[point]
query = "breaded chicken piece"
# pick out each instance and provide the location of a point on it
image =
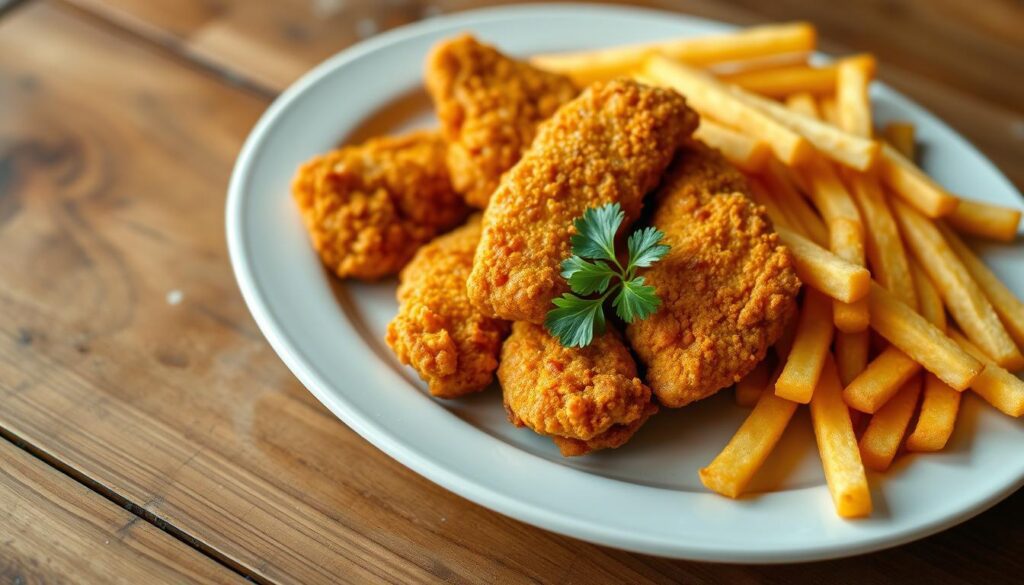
(609, 145)
(489, 106)
(584, 398)
(437, 331)
(369, 207)
(727, 284)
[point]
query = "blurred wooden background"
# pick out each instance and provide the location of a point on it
(147, 431)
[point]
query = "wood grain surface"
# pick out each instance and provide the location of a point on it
(130, 366)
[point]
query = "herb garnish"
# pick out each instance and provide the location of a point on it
(593, 269)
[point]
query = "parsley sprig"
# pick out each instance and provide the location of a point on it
(595, 274)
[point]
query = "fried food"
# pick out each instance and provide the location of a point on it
(489, 106)
(584, 398)
(369, 207)
(609, 145)
(437, 331)
(727, 285)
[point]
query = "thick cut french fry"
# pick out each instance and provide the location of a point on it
(712, 98)
(603, 64)
(731, 471)
(901, 136)
(743, 151)
(1009, 308)
(851, 354)
(919, 339)
(803, 103)
(780, 185)
(749, 388)
(885, 251)
(997, 386)
(844, 148)
(985, 220)
(759, 192)
(829, 110)
(882, 438)
(880, 381)
(837, 445)
(847, 242)
(929, 300)
(937, 417)
(912, 185)
(827, 191)
(853, 106)
(784, 81)
(807, 357)
(962, 295)
(824, 271)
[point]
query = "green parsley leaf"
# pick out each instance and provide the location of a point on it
(645, 248)
(586, 277)
(636, 300)
(595, 232)
(575, 320)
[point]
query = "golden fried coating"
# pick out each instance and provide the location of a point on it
(369, 207)
(609, 145)
(727, 285)
(489, 106)
(437, 331)
(584, 398)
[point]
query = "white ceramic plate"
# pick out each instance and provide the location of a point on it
(645, 496)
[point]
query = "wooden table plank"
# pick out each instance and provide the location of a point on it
(113, 163)
(53, 529)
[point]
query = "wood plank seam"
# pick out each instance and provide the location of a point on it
(138, 510)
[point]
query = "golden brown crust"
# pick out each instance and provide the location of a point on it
(590, 396)
(609, 145)
(727, 285)
(437, 331)
(489, 106)
(368, 208)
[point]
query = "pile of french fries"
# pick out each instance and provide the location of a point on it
(875, 240)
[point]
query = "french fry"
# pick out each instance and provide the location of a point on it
(777, 179)
(588, 66)
(880, 381)
(761, 63)
(807, 356)
(937, 418)
(985, 220)
(824, 271)
(997, 386)
(731, 471)
(962, 295)
(829, 110)
(746, 153)
(803, 103)
(919, 339)
(784, 81)
(837, 445)
(882, 438)
(1009, 308)
(749, 388)
(851, 354)
(885, 251)
(929, 300)
(712, 98)
(847, 242)
(901, 136)
(762, 197)
(853, 107)
(913, 186)
(844, 148)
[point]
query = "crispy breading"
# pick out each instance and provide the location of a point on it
(609, 145)
(369, 207)
(584, 398)
(489, 106)
(437, 331)
(727, 285)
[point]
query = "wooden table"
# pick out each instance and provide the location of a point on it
(149, 434)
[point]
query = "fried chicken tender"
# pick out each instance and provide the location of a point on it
(609, 145)
(727, 285)
(489, 106)
(584, 398)
(368, 208)
(437, 331)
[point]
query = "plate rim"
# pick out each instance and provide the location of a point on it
(449, 479)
